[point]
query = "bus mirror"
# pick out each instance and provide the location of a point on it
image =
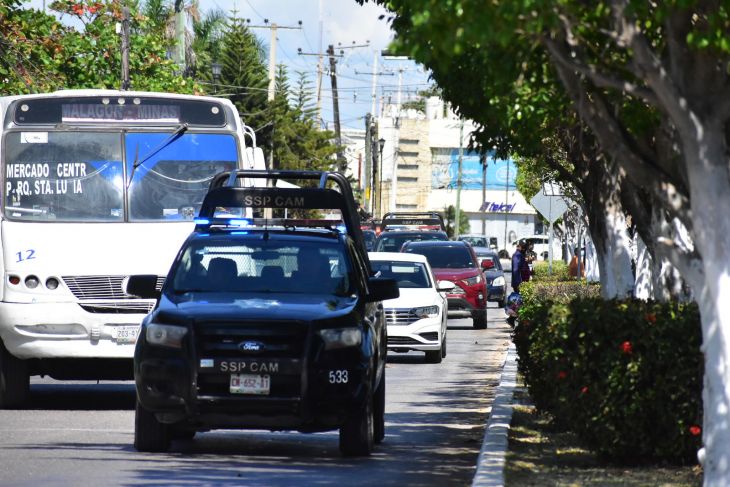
(143, 286)
(258, 158)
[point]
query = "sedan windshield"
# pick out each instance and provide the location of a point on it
(445, 256)
(237, 265)
(408, 274)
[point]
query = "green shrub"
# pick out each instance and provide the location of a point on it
(559, 272)
(626, 376)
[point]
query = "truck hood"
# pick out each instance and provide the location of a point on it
(255, 306)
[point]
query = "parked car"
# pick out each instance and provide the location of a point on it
(416, 320)
(494, 273)
(456, 261)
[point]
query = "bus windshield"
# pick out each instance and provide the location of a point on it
(77, 176)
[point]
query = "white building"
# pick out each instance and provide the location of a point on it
(423, 151)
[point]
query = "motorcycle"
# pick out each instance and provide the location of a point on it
(512, 307)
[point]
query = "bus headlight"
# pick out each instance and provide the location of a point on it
(334, 338)
(165, 335)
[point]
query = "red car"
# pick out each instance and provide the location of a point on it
(456, 261)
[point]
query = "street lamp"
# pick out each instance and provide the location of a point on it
(381, 145)
(216, 69)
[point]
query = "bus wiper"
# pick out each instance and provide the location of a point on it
(172, 138)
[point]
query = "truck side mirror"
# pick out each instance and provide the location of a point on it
(382, 289)
(143, 286)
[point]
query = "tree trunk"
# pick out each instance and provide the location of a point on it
(607, 226)
(709, 176)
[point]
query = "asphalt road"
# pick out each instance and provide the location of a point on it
(81, 434)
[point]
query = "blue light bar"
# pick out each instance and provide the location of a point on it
(202, 221)
(239, 233)
(238, 222)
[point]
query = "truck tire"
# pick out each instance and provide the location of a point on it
(379, 411)
(149, 434)
(14, 380)
(480, 320)
(357, 435)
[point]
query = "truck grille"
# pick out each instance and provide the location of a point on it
(285, 341)
(396, 316)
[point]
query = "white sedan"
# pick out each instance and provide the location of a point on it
(417, 319)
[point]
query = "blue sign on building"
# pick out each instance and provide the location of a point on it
(501, 173)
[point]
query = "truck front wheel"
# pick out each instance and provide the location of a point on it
(149, 434)
(14, 380)
(357, 435)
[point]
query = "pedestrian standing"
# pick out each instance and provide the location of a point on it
(519, 264)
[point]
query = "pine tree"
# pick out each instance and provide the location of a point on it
(244, 74)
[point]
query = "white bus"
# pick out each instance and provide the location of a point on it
(96, 185)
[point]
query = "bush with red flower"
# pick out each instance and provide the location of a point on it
(640, 361)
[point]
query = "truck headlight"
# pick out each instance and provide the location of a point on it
(165, 335)
(334, 338)
(498, 281)
(473, 280)
(426, 311)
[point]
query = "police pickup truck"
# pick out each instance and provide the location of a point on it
(265, 323)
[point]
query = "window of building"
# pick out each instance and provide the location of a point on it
(409, 167)
(407, 179)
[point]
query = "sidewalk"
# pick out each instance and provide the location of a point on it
(491, 461)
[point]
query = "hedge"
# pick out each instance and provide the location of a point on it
(626, 376)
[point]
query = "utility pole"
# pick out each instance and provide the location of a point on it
(506, 202)
(368, 161)
(124, 31)
(484, 194)
(376, 173)
(179, 53)
(320, 68)
(457, 214)
(341, 162)
(273, 27)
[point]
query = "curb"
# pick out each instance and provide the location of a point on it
(490, 464)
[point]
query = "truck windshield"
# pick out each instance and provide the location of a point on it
(230, 264)
(78, 176)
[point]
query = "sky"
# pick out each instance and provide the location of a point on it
(345, 23)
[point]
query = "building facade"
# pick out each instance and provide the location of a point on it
(419, 171)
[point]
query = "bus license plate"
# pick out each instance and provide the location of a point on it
(125, 334)
(250, 384)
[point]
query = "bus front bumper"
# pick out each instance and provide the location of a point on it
(65, 330)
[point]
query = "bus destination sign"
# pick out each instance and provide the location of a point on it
(87, 112)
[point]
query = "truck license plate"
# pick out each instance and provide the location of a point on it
(250, 384)
(125, 334)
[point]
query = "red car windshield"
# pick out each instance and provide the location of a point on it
(445, 256)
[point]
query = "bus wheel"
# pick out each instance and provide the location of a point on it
(14, 380)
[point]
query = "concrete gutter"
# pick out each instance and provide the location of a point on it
(490, 464)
